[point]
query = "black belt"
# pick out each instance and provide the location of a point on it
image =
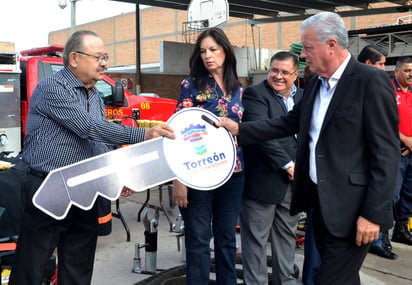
(37, 173)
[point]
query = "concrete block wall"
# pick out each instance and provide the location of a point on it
(174, 58)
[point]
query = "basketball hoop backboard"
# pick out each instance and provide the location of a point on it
(210, 13)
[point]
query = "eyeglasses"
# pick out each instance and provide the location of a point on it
(284, 73)
(99, 58)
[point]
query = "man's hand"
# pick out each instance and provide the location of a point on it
(407, 141)
(180, 194)
(230, 125)
(367, 231)
(158, 131)
(405, 151)
(291, 172)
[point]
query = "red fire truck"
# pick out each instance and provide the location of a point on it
(20, 73)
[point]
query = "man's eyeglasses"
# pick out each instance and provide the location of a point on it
(99, 58)
(284, 73)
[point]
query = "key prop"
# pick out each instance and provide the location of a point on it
(202, 157)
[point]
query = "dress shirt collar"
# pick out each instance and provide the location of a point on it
(292, 93)
(334, 79)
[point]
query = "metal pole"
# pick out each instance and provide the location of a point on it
(260, 47)
(73, 16)
(254, 45)
(138, 51)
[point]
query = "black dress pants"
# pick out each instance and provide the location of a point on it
(75, 238)
(341, 258)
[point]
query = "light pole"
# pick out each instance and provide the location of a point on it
(63, 4)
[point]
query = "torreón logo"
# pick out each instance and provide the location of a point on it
(208, 162)
(202, 156)
(195, 134)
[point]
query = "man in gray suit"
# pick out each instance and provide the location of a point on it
(269, 172)
(348, 149)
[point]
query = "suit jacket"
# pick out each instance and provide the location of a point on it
(357, 154)
(265, 180)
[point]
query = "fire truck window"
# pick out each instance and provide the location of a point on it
(104, 88)
(46, 69)
(56, 67)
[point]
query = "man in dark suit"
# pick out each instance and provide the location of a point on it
(269, 172)
(348, 148)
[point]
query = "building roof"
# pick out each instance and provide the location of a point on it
(266, 11)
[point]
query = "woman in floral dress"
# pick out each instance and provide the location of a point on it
(213, 84)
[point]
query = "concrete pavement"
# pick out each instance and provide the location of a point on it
(115, 256)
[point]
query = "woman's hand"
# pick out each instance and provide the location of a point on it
(180, 194)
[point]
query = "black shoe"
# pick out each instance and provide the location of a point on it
(381, 251)
(385, 240)
(401, 233)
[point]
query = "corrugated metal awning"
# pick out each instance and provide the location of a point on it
(266, 11)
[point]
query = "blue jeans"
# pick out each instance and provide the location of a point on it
(403, 194)
(379, 241)
(216, 210)
(311, 262)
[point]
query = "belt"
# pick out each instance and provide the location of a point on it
(37, 173)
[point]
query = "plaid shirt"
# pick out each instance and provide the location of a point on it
(66, 123)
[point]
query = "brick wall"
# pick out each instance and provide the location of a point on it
(161, 24)
(167, 86)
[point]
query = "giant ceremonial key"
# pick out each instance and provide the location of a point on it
(202, 157)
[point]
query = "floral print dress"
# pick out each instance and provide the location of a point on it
(214, 100)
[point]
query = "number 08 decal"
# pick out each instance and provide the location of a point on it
(145, 106)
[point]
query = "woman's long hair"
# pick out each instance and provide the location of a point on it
(198, 71)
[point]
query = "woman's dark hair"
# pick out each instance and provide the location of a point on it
(198, 71)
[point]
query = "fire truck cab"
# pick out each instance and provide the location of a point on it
(20, 73)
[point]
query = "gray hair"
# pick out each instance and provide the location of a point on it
(403, 60)
(327, 25)
(75, 43)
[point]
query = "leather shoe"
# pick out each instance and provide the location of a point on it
(381, 251)
(402, 239)
(401, 233)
